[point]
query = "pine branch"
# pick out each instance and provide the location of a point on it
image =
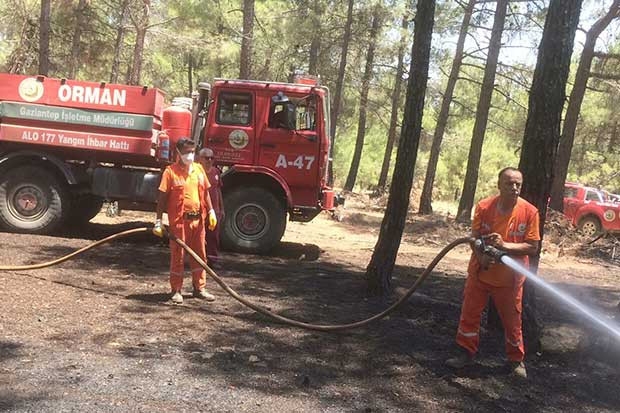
(604, 76)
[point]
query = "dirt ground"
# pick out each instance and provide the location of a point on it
(97, 333)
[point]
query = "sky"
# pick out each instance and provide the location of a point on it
(522, 47)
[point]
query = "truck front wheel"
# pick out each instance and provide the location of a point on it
(255, 220)
(590, 226)
(32, 200)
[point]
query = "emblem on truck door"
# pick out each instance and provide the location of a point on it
(30, 90)
(609, 215)
(238, 139)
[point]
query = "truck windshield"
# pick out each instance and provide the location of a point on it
(234, 108)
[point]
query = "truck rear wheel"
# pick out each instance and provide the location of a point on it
(32, 200)
(590, 226)
(255, 220)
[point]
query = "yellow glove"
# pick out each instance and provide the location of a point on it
(212, 220)
(158, 229)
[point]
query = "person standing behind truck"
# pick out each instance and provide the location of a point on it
(205, 158)
(184, 195)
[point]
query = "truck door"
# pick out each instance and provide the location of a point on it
(292, 148)
(230, 127)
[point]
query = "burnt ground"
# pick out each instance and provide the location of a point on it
(97, 334)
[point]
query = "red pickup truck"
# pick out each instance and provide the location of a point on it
(591, 209)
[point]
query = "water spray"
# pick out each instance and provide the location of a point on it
(502, 256)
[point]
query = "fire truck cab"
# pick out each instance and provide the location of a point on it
(272, 140)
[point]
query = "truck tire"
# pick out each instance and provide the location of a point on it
(84, 207)
(255, 220)
(590, 226)
(32, 200)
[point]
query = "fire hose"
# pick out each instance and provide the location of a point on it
(261, 310)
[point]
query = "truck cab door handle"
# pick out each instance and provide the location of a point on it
(216, 140)
(311, 138)
(268, 145)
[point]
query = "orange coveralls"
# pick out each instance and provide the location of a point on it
(186, 194)
(504, 285)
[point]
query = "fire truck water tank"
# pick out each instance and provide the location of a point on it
(177, 121)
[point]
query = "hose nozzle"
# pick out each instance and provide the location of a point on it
(489, 250)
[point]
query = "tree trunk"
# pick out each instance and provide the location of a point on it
(129, 71)
(613, 139)
(599, 137)
(361, 126)
(245, 58)
(138, 51)
(482, 114)
(190, 72)
(346, 38)
(218, 59)
(315, 44)
(398, 82)
(581, 156)
(141, 23)
(426, 198)
(44, 37)
(542, 132)
(574, 106)
(118, 43)
(381, 265)
(80, 21)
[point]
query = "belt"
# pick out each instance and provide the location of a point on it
(192, 215)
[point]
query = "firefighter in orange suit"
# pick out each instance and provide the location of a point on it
(511, 224)
(184, 194)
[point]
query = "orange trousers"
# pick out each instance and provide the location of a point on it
(508, 301)
(192, 232)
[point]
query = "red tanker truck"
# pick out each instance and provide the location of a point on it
(67, 146)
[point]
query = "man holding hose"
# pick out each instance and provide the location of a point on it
(511, 224)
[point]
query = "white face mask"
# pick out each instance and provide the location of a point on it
(188, 158)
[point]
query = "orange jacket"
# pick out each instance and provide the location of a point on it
(521, 225)
(174, 181)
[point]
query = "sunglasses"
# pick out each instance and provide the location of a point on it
(207, 157)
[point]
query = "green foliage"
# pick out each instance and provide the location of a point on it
(595, 157)
(374, 147)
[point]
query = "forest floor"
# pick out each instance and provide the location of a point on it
(97, 333)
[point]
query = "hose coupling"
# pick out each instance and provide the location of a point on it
(489, 250)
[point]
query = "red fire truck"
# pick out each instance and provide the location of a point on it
(67, 146)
